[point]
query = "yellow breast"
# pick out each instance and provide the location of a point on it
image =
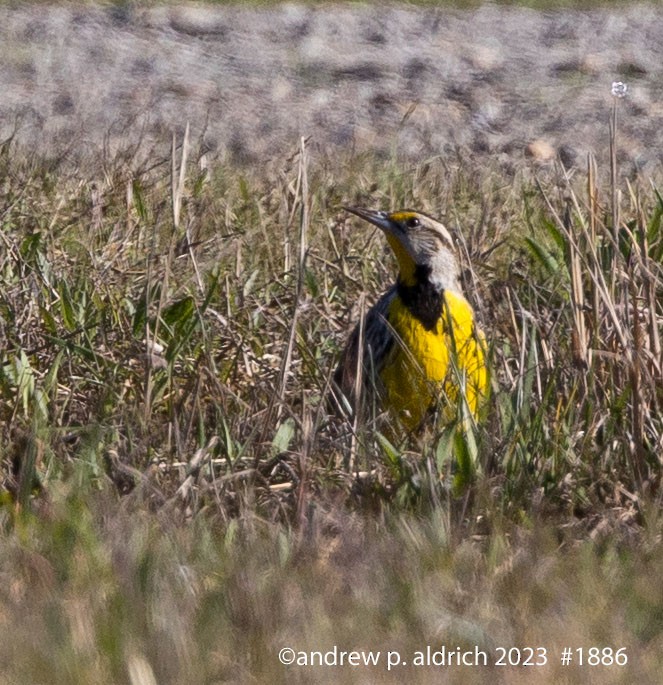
(427, 367)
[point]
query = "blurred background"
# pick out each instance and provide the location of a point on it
(494, 80)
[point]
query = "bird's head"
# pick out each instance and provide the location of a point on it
(419, 242)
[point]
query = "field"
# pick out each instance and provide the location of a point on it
(178, 505)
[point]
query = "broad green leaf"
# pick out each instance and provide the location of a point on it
(284, 436)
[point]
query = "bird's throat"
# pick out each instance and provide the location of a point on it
(406, 265)
(421, 297)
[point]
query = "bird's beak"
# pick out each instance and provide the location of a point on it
(377, 218)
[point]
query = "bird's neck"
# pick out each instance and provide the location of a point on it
(442, 274)
(421, 296)
(406, 266)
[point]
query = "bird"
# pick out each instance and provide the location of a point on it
(418, 350)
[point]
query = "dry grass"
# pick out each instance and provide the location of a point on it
(92, 593)
(176, 501)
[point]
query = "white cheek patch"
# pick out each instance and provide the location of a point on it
(437, 282)
(427, 251)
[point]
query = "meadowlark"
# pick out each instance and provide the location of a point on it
(418, 347)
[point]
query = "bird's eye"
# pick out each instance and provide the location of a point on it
(413, 222)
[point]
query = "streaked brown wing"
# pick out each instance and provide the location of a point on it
(378, 339)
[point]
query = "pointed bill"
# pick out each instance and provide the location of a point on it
(375, 217)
